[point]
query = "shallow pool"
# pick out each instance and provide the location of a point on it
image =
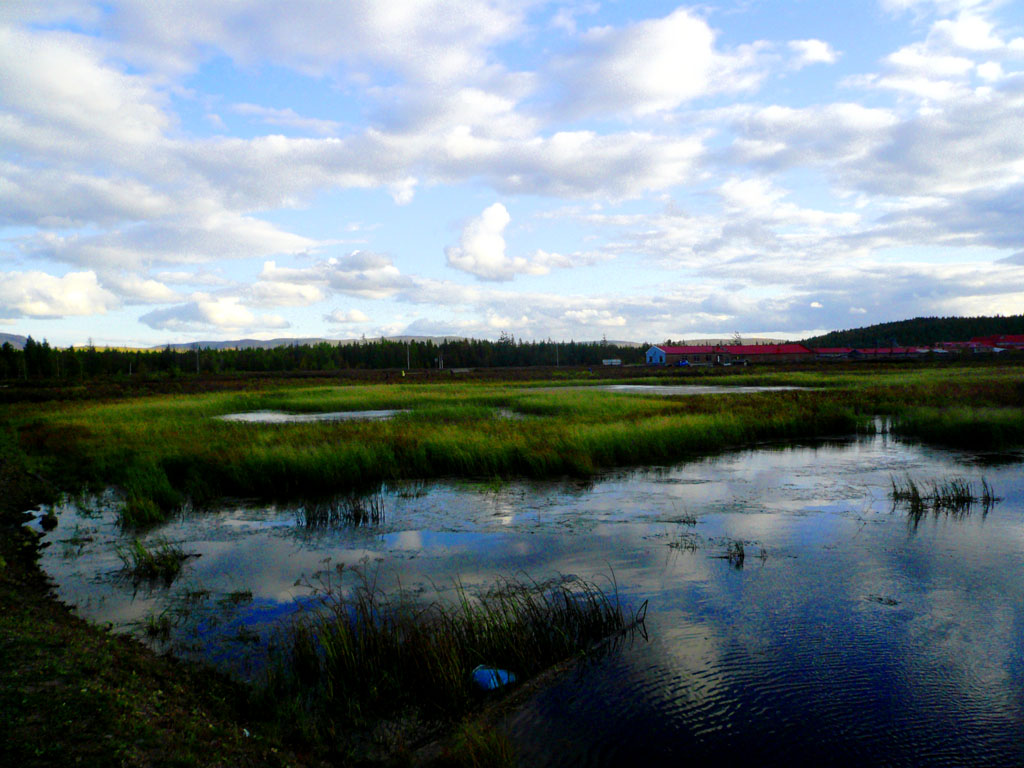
(852, 631)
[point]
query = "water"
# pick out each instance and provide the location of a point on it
(281, 417)
(850, 634)
(680, 390)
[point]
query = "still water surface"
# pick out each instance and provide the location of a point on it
(849, 635)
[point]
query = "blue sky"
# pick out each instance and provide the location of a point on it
(209, 170)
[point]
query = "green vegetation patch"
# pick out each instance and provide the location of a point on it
(364, 655)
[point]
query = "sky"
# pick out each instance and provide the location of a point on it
(639, 171)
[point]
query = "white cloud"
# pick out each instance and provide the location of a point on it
(361, 273)
(346, 317)
(37, 294)
(807, 52)
(135, 289)
(652, 66)
(206, 312)
(287, 118)
(481, 251)
(278, 294)
(174, 241)
(427, 40)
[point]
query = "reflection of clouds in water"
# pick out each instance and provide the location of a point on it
(803, 619)
(407, 540)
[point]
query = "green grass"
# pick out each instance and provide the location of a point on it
(162, 561)
(955, 496)
(163, 450)
(364, 655)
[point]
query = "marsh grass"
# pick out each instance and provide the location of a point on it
(168, 449)
(990, 428)
(366, 654)
(161, 561)
(476, 744)
(955, 496)
(735, 553)
(348, 510)
(684, 541)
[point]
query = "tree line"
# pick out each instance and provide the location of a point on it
(921, 331)
(38, 360)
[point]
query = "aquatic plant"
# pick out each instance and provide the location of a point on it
(162, 561)
(735, 554)
(350, 509)
(684, 541)
(365, 654)
(166, 449)
(476, 744)
(158, 626)
(954, 495)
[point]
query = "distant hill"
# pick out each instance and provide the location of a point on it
(919, 331)
(16, 341)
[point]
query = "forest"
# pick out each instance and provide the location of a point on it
(38, 360)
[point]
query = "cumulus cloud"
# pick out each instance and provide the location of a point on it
(179, 241)
(205, 312)
(481, 251)
(807, 52)
(279, 294)
(361, 273)
(812, 204)
(652, 66)
(37, 294)
(346, 317)
(136, 289)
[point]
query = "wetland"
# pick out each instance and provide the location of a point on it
(795, 602)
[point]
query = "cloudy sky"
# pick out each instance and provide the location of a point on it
(637, 170)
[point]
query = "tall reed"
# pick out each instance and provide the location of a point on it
(368, 654)
(955, 495)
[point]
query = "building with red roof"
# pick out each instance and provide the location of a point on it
(1003, 341)
(727, 354)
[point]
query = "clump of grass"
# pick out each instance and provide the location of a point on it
(139, 512)
(351, 509)
(368, 655)
(955, 495)
(158, 626)
(736, 554)
(479, 745)
(161, 562)
(684, 541)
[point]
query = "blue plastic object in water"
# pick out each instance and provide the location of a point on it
(490, 679)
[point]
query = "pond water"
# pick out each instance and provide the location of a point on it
(680, 390)
(852, 632)
(282, 417)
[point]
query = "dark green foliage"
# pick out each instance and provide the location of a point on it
(920, 331)
(40, 361)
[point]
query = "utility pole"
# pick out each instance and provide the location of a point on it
(408, 345)
(197, 359)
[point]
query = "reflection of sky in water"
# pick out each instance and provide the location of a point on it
(856, 638)
(281, 417)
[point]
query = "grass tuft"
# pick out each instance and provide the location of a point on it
(366, 655)
(162, 562)
(955, 496)
(351, 509)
